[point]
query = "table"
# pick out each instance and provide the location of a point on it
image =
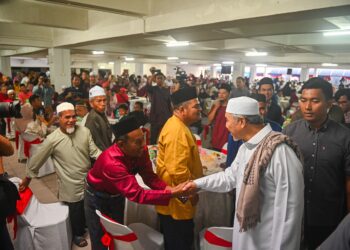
(213, 209)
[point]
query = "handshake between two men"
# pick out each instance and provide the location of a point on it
(184, 192)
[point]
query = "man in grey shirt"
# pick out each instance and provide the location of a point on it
(71, 148)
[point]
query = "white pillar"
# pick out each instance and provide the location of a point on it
(252, 73)
(117, 68)
(138, 69)
(5, 66)
(59, 63)
(304, 74)
(95, 67)
(238, 70)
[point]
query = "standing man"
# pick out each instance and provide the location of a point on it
(216, 117)
(76, 92)
(342, 96)
(178, 161)
(325, 145)
(268, 178)
(274, 112)
(97, 120)
(160, 105)
(241, 88)
(112, 179)
(71, 148)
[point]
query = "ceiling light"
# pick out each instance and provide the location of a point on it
(129, 59)
(260, 65)
(329, 64)
(255, 53)
(337, 33)
(183, 62)
(217, 64)
(111, 63)
(228, 62)
(173, 58)
(177, 43)
(96, 52)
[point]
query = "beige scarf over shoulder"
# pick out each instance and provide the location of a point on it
(248, 206)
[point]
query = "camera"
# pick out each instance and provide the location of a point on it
(181, 76)
(10, 109)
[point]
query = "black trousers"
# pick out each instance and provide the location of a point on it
(5, 240)
(112, 207)
(315, 235)
(155, 131)
(77, 217)
(178, 234)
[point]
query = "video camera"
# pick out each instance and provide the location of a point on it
(10, 109)
(181, 76)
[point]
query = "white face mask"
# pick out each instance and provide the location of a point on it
(70, 130)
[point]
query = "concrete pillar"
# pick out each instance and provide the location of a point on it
(5, 66)
(138, 69)
(59, 63)
(95, 67)
(252, 73)
(304, 74)
(238, 70)
(117, 67)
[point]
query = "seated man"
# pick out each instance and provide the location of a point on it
(112, 179)
(139, 114)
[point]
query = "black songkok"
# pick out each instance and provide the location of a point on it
(183, 95)
(125, 126)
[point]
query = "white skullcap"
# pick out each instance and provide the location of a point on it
(243, 106)
(10, 91)
(96, 91)
(64, 106)
(91, 74)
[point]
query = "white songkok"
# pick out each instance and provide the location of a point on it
(243, 106)
(96, 91)
(64, 106)
(91, 74)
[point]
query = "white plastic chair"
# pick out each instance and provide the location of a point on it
(220, 236)
(43, 226)
(224, 149)
(198, 140)
(147, 238)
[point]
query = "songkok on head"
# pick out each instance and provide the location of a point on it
(96, 91)
(125, 126)
(183, 95)
(242, 106)
(64, 106)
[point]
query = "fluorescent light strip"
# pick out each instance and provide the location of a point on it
(177, 43)
(183, 62)
(228, 62)
(329, 64)
(129, 59)
(337, 33)
(260, 65)
(256, 54)
(217, 64)
(172, 58)
(95, 52)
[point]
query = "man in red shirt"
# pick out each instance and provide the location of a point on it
(112, 179)
(216, 117)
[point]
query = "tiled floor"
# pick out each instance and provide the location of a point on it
(44, 188)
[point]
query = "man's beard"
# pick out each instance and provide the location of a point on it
(70, 130)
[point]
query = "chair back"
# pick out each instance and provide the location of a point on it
(218, 238)
(224, 149)
(198, 140)
(115, 230)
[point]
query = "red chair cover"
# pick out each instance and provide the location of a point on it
(215, 240)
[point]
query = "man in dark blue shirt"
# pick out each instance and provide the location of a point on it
(325, 145)
(233, 146)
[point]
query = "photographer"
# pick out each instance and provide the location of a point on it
(8, 197)
(74, 93)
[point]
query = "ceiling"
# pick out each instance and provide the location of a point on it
(291, 32)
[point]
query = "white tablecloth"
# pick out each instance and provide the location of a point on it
(213, 209)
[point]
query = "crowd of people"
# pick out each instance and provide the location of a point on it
(288, 152)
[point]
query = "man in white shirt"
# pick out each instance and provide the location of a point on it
(268, 177)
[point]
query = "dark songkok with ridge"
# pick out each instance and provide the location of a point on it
(125, 126)
(183, 95)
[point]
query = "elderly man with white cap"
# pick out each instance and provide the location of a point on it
(71, 148)
(97, 120)
(268, 176)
